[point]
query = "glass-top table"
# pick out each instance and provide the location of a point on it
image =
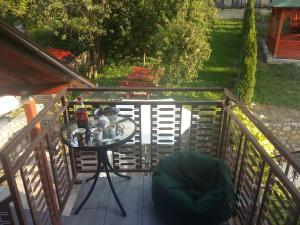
(100, 135)
(118, 131)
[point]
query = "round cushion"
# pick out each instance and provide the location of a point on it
(190, 188)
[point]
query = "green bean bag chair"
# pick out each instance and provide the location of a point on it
(193, 189)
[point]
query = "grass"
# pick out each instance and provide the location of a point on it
(222, 67)
(278, 85)
(110, 75)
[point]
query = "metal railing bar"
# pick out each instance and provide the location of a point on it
(265, 131)
(145, 89)
(149, 102)
(276, 170)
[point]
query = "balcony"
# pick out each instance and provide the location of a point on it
(42, 173)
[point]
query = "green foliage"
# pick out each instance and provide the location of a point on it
(13, 9)
(132, 25)
(120, 29)
(182, 42)
(246, 81)
(47, 38)
(263, 141)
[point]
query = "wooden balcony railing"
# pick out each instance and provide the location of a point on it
(266, 179)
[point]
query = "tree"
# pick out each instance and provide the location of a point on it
(13, 10)
(247, 71)
(122, 28)
(83, 19)
(182, 42)
(132, 26)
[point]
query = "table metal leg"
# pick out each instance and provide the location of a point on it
(105, 164)
(96, 176)
(90, 178)
(113, 170)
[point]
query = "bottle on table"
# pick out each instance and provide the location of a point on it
(81, 113)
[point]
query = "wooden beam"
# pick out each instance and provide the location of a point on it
(31, 112)
(23, 90)
(271, 22)
(282, 17)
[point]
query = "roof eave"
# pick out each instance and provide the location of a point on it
(54, 66)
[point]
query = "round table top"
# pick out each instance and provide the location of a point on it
(118, 131)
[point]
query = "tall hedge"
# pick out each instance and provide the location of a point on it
(247, 72)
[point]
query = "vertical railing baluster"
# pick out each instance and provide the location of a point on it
(140, 133)
(33, 211)
(287, 169)
(238, 156)
(258, 189)
(191, 127)
(151, 136)
(265, 192)
(13, 188)
(238, 181)
(47, 184)
(178, 141)
(228, 132)
(296, 220)
(223, 126)
(221, 132)
(52, 163)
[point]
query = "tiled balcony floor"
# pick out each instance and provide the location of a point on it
(102, 209)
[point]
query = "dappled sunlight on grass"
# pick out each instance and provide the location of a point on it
(203, 96)
(222, 67)
(219, 69)
(110, 75)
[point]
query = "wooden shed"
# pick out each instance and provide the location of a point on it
(284, 29)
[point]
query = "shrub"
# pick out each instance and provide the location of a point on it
(247, 72)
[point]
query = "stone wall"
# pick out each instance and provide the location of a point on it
(10, 127)
(287, 132)
(283, 122)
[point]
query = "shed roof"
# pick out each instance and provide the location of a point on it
(285, 3)
(26, 69)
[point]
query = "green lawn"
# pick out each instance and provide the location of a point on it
(277, 85)
(110, 75)
(221, 69)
